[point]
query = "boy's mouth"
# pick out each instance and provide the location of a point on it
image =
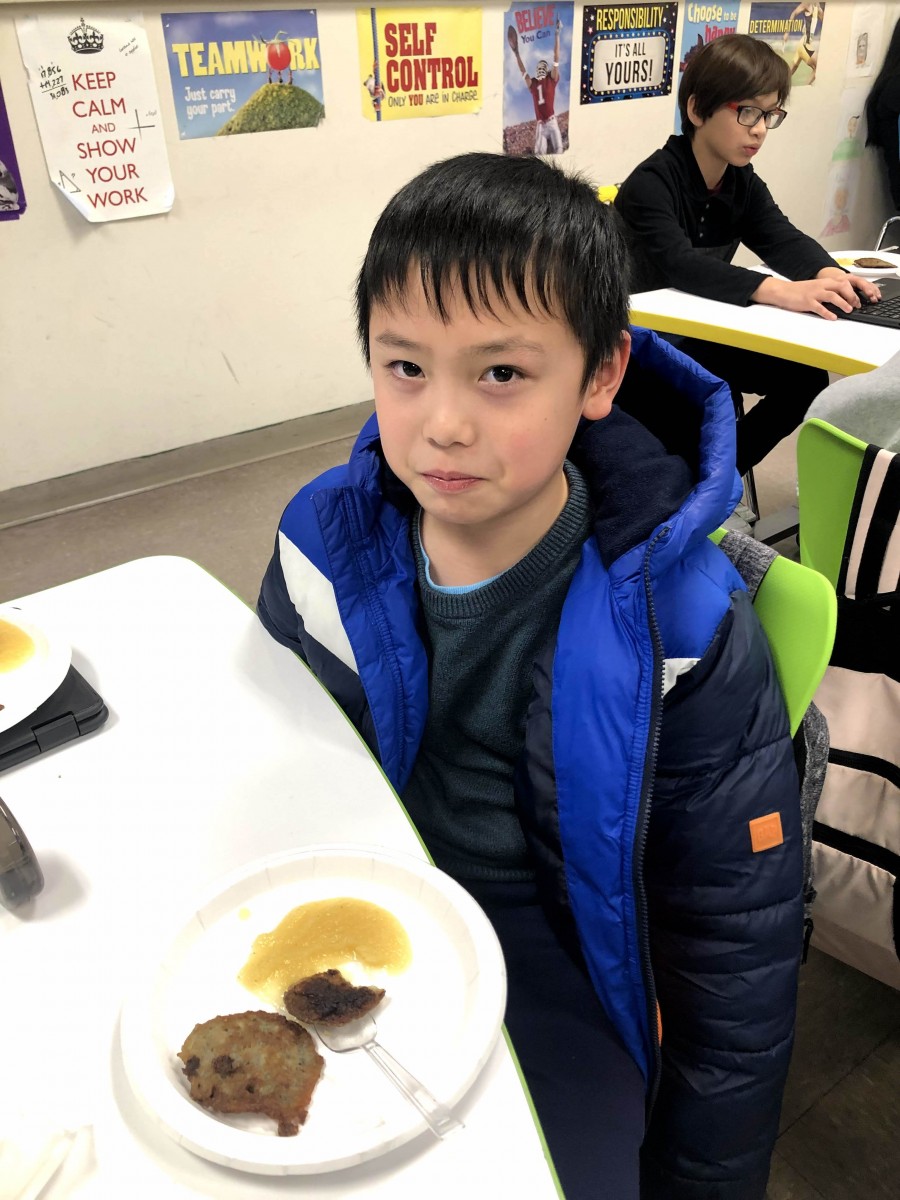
(450, 481)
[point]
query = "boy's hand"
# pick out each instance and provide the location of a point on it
(811, 295)
(866, 286)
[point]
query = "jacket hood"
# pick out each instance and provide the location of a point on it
(660, 466)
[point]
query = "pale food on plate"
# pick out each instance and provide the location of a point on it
(16, 647)
(323, 934)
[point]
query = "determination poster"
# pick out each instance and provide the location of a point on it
(244, 72)
(627, 51)
(794, 32)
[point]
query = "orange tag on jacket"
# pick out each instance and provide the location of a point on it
(765, 832)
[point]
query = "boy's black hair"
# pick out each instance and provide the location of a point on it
(729, 68)
(529, 230)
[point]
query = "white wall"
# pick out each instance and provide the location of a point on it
(114, 337)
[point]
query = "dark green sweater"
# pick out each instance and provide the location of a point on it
(483, 644)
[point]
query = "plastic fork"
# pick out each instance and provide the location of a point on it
(360, 1035)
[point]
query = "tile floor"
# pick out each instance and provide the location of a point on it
(839, 1130)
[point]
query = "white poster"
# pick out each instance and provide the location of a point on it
(866, 35)
(97, 109)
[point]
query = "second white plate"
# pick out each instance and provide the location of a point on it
(844, 258)
(441, 1017)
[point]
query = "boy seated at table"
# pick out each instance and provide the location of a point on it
(510, 590)
(688, 207)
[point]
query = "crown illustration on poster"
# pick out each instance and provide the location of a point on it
(85, 39)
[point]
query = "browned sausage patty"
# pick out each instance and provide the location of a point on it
(330, 999)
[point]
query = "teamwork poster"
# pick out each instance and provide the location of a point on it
(12, 195)
(97, 110)
(244, 72)
(793, 31)
(703, 23)
(627, 51)
(419, 62)
(537, 74)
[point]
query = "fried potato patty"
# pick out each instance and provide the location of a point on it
(254, 1062)
(330, 999)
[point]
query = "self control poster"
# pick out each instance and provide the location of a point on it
(419, 62)
(97, 108)
(244, 72)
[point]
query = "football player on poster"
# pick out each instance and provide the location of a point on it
(532, 124)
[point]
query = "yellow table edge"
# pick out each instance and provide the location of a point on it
(810, 357)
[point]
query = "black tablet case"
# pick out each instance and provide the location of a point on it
(73, 710)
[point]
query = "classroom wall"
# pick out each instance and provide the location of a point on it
(234, 311)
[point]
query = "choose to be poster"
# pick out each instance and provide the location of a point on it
(97, 109)
(793, 31)
(419, 62)
(627, 51)
(244, 72)
(537, 74)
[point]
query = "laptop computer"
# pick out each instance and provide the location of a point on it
(885, 312)
(73, 710)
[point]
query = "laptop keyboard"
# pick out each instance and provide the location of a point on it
(882, 312)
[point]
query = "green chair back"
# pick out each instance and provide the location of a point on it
(828, 463)
(797, 609)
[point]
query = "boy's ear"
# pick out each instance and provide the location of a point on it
(694, 119)
(606, 381)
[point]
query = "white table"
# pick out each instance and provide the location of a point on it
(845, 347)
(220, 748)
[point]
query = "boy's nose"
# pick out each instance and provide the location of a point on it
(446, 421)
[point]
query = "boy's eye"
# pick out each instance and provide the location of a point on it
(404, 369)
(501, 374)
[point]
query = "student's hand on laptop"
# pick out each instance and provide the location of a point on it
(866, 286)
(810, 295)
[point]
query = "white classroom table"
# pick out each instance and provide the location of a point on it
(220, 748)
(845, 347)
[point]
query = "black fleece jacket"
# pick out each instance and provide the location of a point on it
(682, 235)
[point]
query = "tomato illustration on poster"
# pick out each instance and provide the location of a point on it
(244, 72)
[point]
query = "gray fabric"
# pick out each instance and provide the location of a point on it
(752, 560)
(866, 406)
(482, 648)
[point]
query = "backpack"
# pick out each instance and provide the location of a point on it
(856, 833)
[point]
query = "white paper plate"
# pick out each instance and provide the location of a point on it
(844, 258)
(26, 687)
(440, 1018)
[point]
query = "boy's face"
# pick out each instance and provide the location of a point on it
(477, 414)
(721, 137)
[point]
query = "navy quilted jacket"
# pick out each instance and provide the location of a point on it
(656, 734)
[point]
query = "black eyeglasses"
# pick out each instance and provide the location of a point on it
(749, 114)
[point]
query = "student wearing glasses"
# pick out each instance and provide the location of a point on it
(689, 206)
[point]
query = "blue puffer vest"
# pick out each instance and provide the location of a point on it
(638, 824)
